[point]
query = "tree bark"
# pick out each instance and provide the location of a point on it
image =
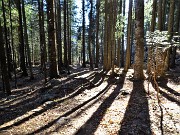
(26, 41)
(139, 36)
(42, 39)
(4, 64)
(160, 15)
(90, 35)
(83, 34)
(128, 47)
(21, 41)
(153, 23)
(97, 32)
(51, 39)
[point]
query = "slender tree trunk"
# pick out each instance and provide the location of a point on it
(176, 28)
(164, 3)
(65, 38)
(128, 48)
(51, 39)
(139, 36)
(26, 41)
(97, 32)
(160, 15)
(105, 37)
(122, 56)
(153, 23)
(170, 33)
(12, 44)
(21, 41)
(90, 36)
(42, 39)
(119, 38)
(59, 38)
(83, 34)
(4, 64)
(8, 48)
(68, 31)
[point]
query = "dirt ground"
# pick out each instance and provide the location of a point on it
(92, 103)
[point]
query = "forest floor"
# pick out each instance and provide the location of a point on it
(92, 102)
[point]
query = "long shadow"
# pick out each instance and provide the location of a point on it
(23, 107)
(44, 109)
(92, 124)
(163, 84)
(73, 109)
(166, 95)
(136, 119)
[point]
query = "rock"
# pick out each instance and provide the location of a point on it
(62, 120)
(124, 93)
(49, 103)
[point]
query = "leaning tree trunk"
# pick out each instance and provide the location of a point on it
(139, 37)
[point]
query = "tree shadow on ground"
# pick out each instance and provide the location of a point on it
(10, 112)
(163, 84)
(166, 95)
(92, 124)
(136, 119)
(73, 110)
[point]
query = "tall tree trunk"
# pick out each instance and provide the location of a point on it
(65, 34)
(176, 28)
(113, 29)
(139, 36)
(128, 47)
(21, 41)
(51, 39)
(119, 38)
(122, 56)
(90, 35)
(83, 34)
(164, 3)
(177, 18)
(153, 23)
(105, 37)
(26, 41)
(42, 39)
(170, 33)
(97, 32)
(68, 31)
(160, 15)
(59, 37)
(8, 48)
(4, 64)
(12, 44)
